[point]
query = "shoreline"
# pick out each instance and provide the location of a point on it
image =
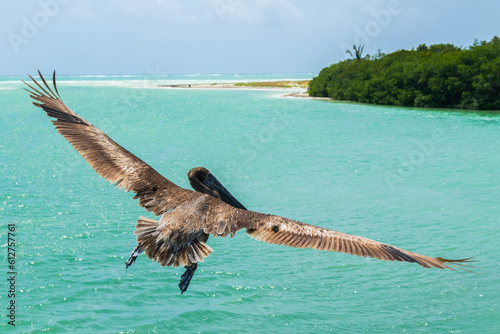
(297, 89)
(304, 95)
(301, 93)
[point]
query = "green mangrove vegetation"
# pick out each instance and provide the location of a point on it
(441, 75)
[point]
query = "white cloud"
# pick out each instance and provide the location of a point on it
(272, 13)
(82, 11)
(172, 10)
(169, 10)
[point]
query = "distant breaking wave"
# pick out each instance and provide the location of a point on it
(152, 81)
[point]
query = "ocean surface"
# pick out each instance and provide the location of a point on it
(423, 180)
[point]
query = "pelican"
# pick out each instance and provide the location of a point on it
(205, 182)
(187, 218)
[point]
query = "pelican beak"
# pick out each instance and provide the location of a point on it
(214, 184)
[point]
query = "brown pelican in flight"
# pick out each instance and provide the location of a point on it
(188, 217)
(204, 182)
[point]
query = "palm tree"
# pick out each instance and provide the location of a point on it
(358, 52)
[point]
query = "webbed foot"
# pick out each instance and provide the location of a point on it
(135, 253)
(186, 277)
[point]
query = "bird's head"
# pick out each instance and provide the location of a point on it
(205, 182)
(197, 177)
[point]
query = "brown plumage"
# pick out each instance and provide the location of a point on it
(188, 217)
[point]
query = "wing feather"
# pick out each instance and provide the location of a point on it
(110, 160)
(282, 231)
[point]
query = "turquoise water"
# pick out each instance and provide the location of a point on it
(424, 180)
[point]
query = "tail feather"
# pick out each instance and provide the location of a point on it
(158, 250)
(145, 230)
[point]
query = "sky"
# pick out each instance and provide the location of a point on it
(225, 36)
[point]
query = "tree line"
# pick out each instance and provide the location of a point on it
(440, 76)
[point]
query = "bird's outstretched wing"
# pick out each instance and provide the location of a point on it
(224, 219)
(105, 156)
